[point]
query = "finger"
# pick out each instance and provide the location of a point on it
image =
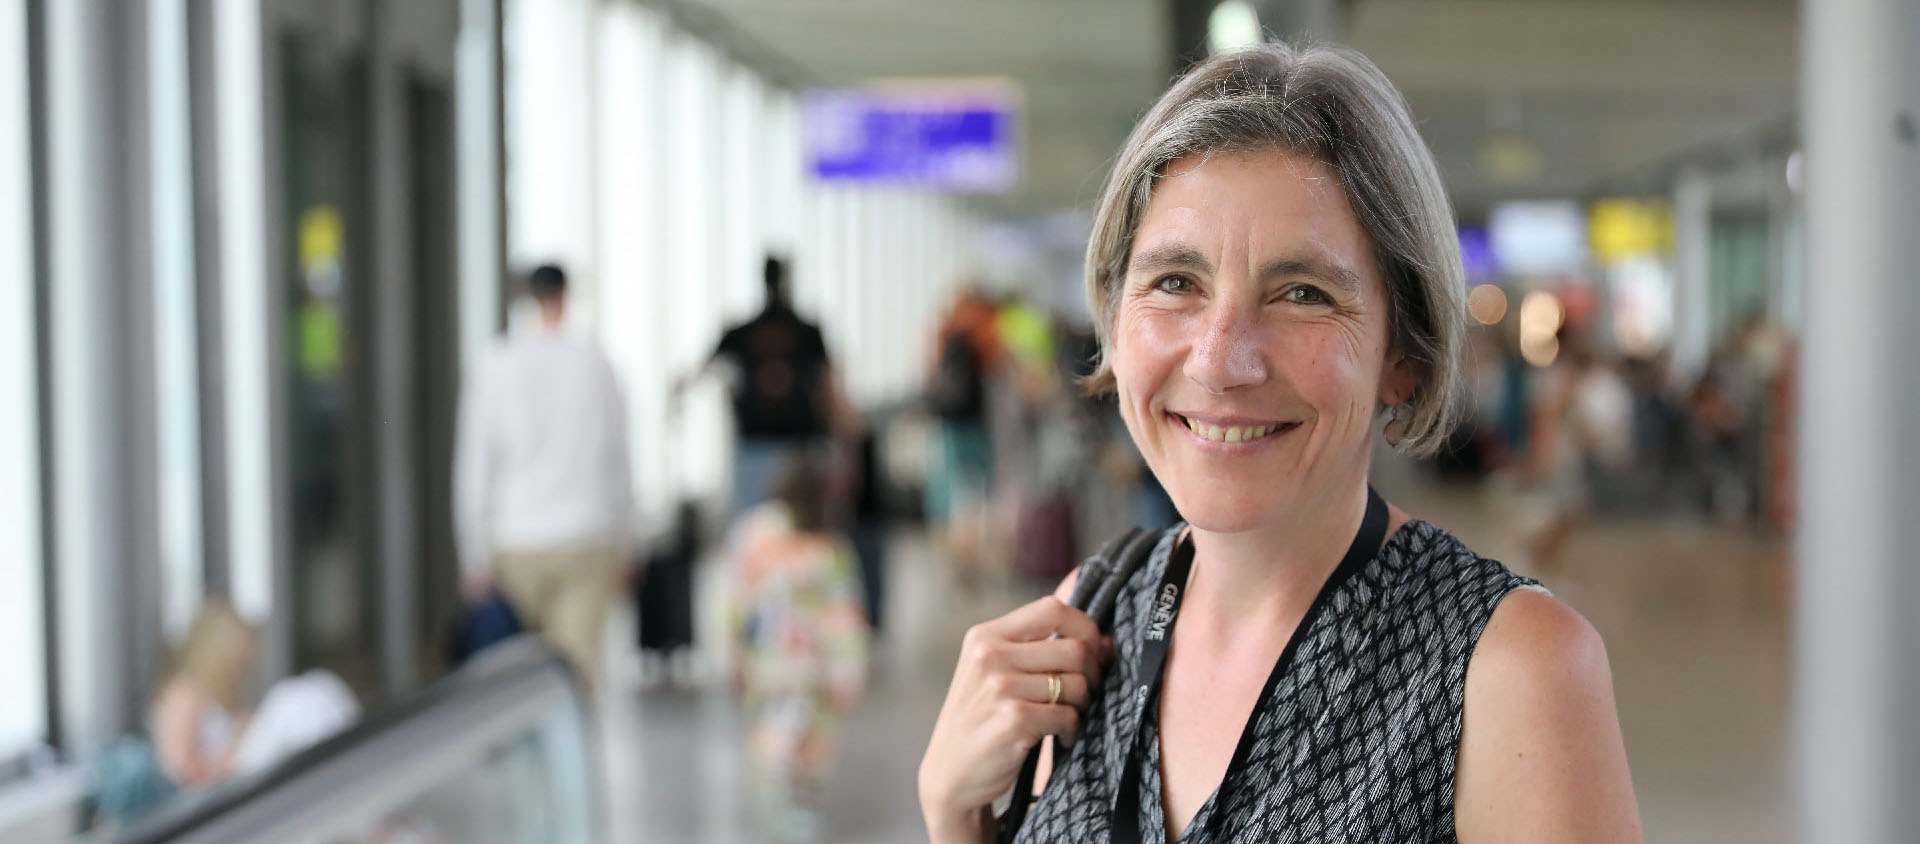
(1036, 688)
(1044, 617)
(1056, 655)
(1042, 720)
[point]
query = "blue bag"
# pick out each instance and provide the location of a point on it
(485, 624)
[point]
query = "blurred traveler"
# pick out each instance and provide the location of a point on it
(1580, 447)
(1275, 276)
(1055, 445)
(966, 351)
(1023, 520)
(542, 484)
(1763, 356)
(785, 393)
(1026, 333)
(801, 643)
(1716, 434)
(1478, 445)
(1657, 429)
(868, 528)
(1781, 435)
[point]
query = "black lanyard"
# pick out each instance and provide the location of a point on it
(1125, 827)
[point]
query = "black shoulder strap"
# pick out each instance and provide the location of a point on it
(1115, 564)
(1097, 589)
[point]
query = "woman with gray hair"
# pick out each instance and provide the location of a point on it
(1275, 277)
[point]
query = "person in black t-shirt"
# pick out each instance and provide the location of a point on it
(785, 393)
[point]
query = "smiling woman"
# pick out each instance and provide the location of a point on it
(1256, 360)
(1274, 277)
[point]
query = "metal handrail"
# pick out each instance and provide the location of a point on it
(496, 682)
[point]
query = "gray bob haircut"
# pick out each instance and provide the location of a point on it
(1331, 104)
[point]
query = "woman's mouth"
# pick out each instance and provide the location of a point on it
(1224, 432)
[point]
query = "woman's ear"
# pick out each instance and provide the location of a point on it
(1401, 379)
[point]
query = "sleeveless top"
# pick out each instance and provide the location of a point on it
(1354, 741)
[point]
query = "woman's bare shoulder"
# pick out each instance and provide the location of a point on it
(1530, 631)
(1541, 756)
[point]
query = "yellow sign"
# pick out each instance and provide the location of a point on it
(319, 236)
(1621, 227)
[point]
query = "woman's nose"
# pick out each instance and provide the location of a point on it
(1227, 354)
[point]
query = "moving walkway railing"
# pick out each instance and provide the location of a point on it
(501, 751)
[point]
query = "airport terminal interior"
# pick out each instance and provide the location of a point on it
(794, 296)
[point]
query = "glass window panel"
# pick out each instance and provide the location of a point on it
(550, 161)
(885, 283)
(810, 223)
(744, 194)
(239, 76)
(23, 716)
(477, 87)
(689, 292)
(692, 201)
(784, 175)
(176, 385)
(629, 103)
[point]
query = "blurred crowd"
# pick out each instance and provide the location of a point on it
(1599, 432)
(1027, 471)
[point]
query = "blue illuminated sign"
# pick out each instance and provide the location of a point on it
(959, 138)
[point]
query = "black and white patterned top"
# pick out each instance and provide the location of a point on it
(1356, 739)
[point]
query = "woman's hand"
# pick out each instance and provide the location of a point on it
(997, 709)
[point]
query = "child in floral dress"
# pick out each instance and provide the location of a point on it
(801, 640)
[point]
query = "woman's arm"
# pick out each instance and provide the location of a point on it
(1541, 757)
(176, 736)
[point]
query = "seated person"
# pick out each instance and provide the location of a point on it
(201, 710)
(201, 726)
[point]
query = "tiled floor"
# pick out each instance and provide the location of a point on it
(1693, 615)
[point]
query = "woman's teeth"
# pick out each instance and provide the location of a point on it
(1221, 434)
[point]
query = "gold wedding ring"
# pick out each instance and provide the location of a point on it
(1053, 689)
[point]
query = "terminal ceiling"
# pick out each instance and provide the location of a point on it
(1609, 95)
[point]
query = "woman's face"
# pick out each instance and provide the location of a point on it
(1250, 344)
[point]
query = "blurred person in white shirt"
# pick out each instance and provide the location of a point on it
(543, 490)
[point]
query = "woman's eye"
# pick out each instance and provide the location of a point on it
(1301, 294)
(1174, 284)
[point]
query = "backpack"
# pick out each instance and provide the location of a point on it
(1102, 577)
(959, 389)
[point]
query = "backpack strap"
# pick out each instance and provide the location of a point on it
(1112, 568)
(1095, 592)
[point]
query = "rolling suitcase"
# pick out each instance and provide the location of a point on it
(664, 600)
